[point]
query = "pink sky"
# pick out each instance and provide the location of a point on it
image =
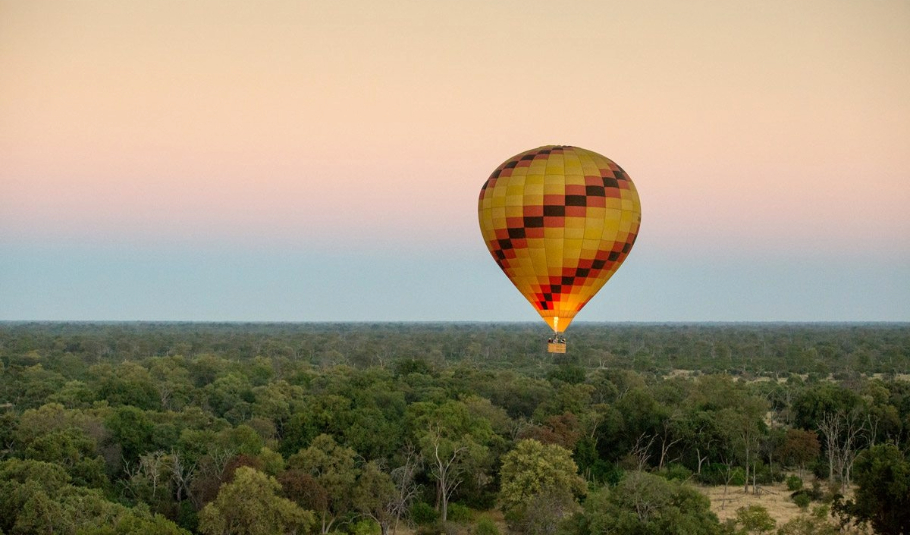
(771, 121)
(745, 125)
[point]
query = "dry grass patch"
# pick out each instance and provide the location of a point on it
(774, 498)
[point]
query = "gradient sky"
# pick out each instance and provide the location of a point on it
(321, 161)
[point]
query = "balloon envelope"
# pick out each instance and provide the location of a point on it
(559, 221)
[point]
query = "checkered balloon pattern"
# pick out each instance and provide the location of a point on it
(559, 221)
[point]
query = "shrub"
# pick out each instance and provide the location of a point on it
(802, 499)
(816, 493)
(806, 525)
(755, 519)
(423, 514)
(366, 527)
(819, 468)
(778, 476)
(482, 500)
(711, 474)
(676, 472)
(764, 475)
(739, 476)
(820, 512)
(458, 513)
(605, 473)
(716, 474)
(431, 529)
(834, 492)
(187, 517)
(486, 526)
(794, 482)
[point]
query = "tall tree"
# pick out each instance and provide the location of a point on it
(539, 478)
(844, 434)
(882, 496)
(385, 497)
(800, 448)
(375, 496)
(645, 504)
(250, 505)
(454, 443)
(333, 468)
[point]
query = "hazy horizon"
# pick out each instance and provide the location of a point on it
(542, 326)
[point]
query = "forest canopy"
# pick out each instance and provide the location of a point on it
(351, 428)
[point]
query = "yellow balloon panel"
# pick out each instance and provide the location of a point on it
(559, 221)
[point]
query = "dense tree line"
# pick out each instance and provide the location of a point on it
(737, 349)
(350, 428)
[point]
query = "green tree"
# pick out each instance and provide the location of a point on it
(133, 431)
(35, 384)
(755, 519)
(882, 498)
(375, 496)
(273, 401)
(47, 419)
(250, 506)
(454, 443)
(36, 497)
(230, 396)
(743, 427)
(645, 504)
(333, 469)
(241, 439)
(272, 461)
(133, 522)
(172, 381)
(544, 515)
(323, 414)
(127, 384)
(74, 394)
(533, 469)
(21, 481)
(8, 425)
(800, 448)
(73, 450)
(813, 403)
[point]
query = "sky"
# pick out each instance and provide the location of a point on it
(225, 160)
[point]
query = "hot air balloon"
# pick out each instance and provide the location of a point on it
(559, 221)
